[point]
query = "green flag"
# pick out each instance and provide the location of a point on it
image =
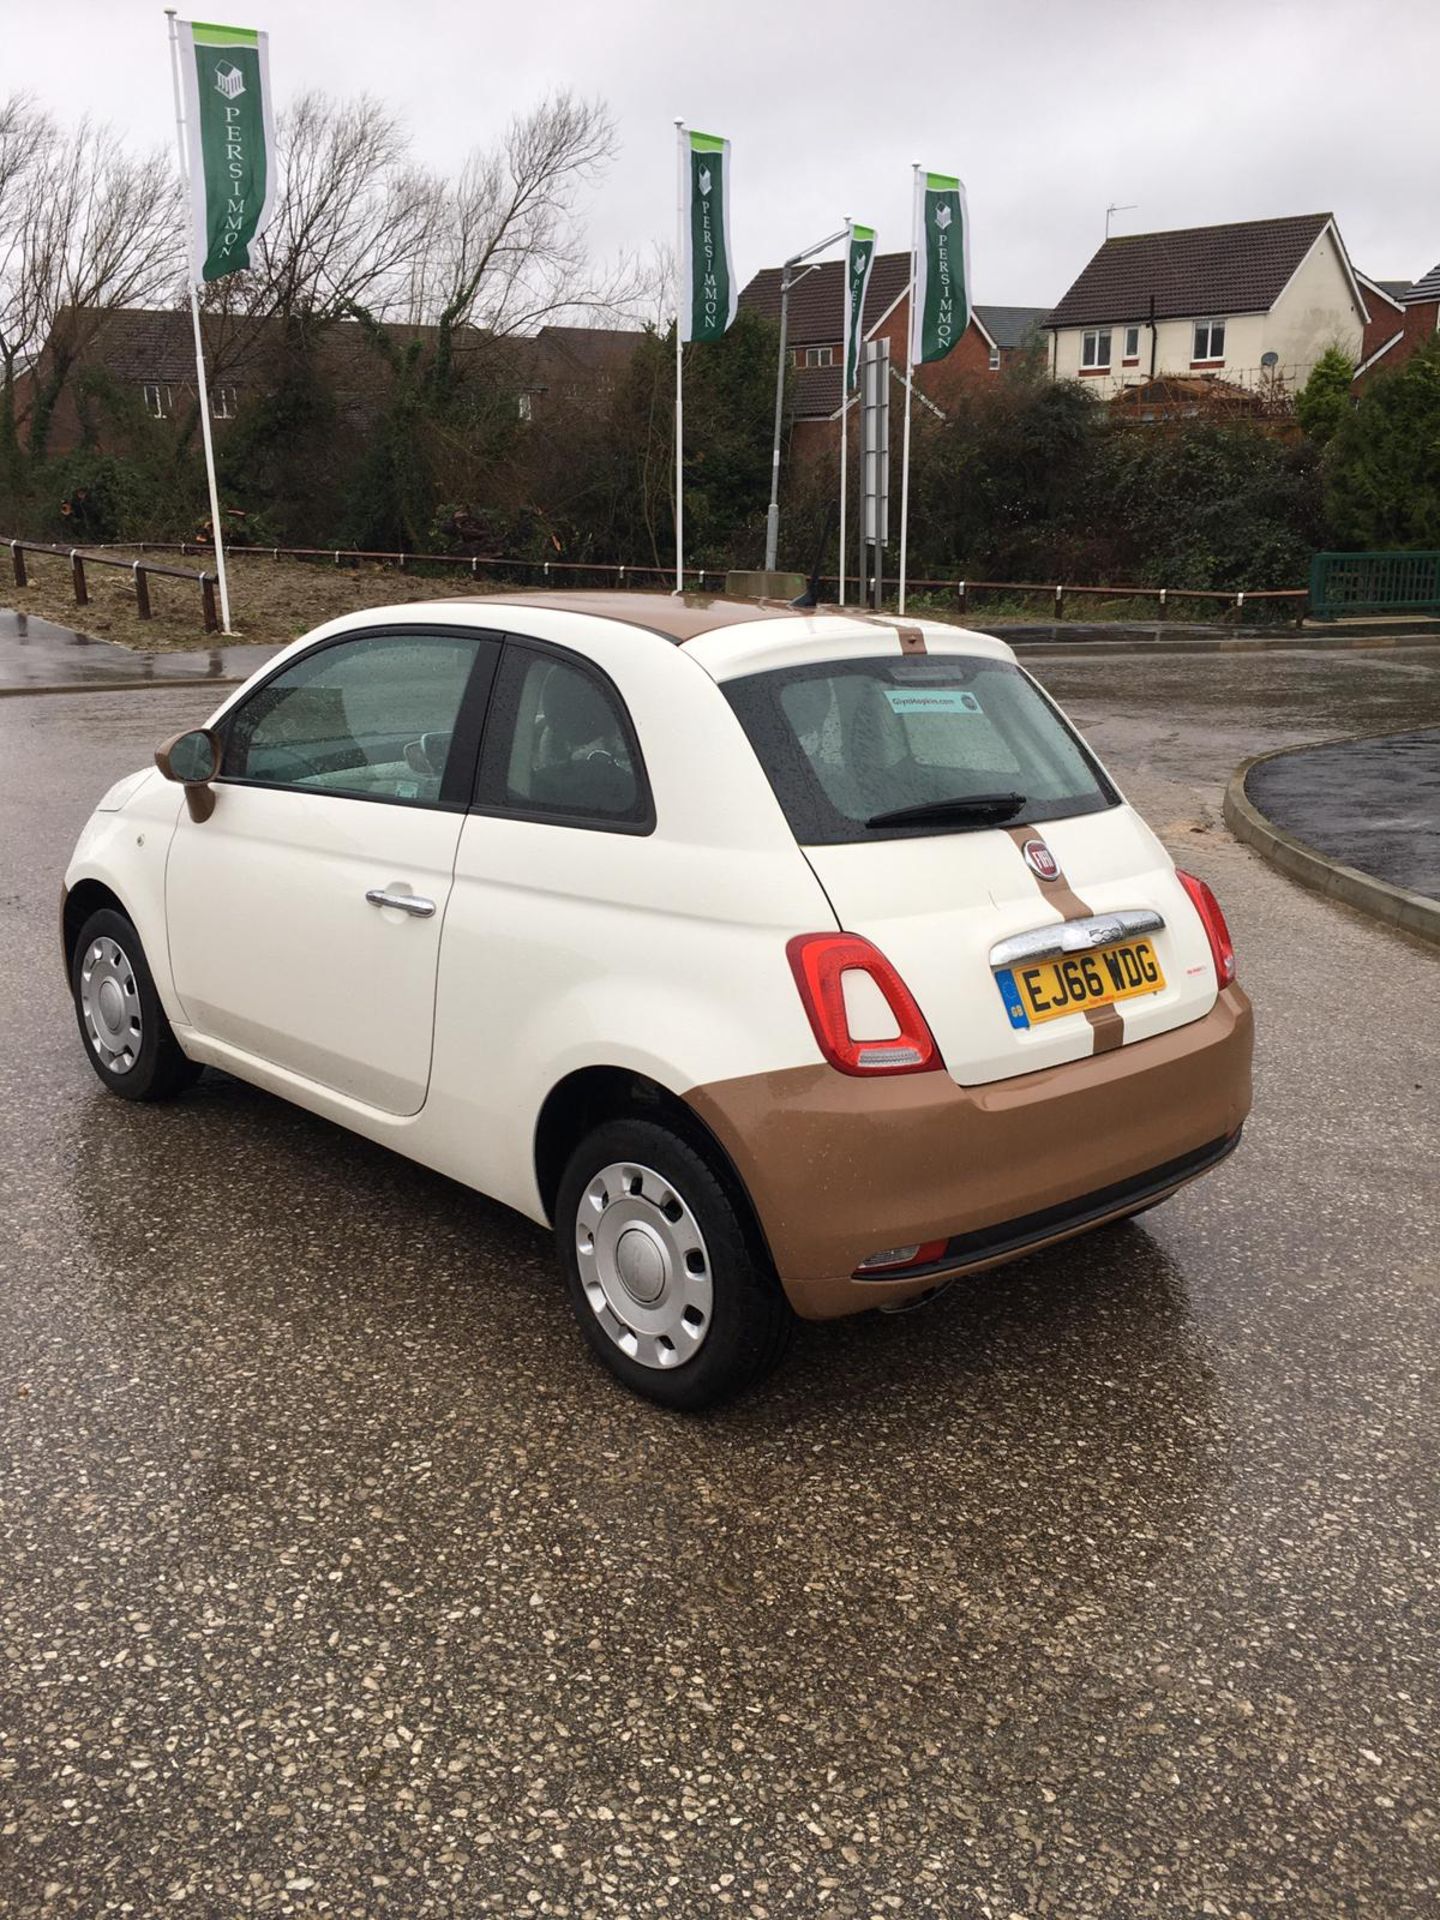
(230, 143)
(940, 311)
(859, 258)
(708, 290)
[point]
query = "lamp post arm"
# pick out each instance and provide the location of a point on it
(772, 517)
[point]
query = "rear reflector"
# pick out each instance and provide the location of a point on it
(896, 1259)
(819, 962)
(1222, 951)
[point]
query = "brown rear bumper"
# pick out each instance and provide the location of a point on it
(839, 1167)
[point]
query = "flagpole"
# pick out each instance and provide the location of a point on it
(679, 360)
(909, 390)
(201, 384)
(845, 391)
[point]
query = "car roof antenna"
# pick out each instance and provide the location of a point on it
(811, 596)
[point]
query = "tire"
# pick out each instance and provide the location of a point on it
(128, 1040)
(671, 1291)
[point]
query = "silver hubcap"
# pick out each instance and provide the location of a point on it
(644, 1265)
(110, 1005)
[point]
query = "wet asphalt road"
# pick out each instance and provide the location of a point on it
(333, 1580)
(1372, 804)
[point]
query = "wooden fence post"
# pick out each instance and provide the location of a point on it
(77, 577)
(142, 591)
(207, 600)
(17, 556)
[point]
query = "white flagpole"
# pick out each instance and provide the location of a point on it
(201, 384)
(845, 391)
(680, 158)
(915, 239)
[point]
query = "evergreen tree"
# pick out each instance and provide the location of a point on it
(1382, 469)
(1324, 400)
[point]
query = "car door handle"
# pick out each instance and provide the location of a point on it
(406, 902)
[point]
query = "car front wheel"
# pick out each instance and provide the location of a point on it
(128, 1040)
(670, 1289)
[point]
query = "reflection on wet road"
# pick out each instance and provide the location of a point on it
(335, 1580)
(37, 653)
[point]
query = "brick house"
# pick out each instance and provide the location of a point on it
(148, 356)
(995, 337)
(1403, 318)
(1252, 304)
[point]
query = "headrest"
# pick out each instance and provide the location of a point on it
(575, 710)
(807, 704)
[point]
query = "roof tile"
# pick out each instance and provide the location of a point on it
(1241, 268)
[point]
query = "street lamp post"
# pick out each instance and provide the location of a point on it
(787, 280)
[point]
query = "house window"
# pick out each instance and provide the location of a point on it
(527, 409)
(994, 359)
(1209, 340)
(1132, 343)
(222, 403)
(157, 401)
(819, 356)
(1095, 348)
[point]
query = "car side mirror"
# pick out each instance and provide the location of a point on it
(193, 759)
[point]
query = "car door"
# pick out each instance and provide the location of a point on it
(305, 914)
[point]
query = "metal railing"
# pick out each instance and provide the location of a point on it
(622, 574)
(140, 572)
(617, 573)
(1232, 600)
(1374, 583)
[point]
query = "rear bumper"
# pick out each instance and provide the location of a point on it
(838, 1167)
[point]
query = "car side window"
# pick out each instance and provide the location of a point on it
(375, 717)
(558, 744)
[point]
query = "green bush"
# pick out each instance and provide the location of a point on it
(1325, 399)
(1382, 469)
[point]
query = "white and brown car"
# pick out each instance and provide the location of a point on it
(782, 962)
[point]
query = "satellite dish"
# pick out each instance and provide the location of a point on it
(1269, 359)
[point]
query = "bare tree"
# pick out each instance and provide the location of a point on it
(509, 249)
(352, 216)
(25, 135)
(84, 227)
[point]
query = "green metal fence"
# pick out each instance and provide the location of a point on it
(1374, 583)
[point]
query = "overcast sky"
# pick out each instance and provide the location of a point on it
(1198, 110)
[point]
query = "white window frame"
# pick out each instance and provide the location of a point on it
(819, 356)
(1132, 352)
(222, 403)
(1208, 329)
(157, 398)
(994, 359)
(527, 406)
(1090, 342)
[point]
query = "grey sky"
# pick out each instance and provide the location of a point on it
(1200, 110)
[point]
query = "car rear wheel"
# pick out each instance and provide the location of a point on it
(670, 1290)
(128, 1040)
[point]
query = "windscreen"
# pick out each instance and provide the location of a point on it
(957, 744)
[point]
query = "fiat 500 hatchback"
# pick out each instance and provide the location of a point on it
(783, 962)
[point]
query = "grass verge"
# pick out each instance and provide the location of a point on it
(271, 601)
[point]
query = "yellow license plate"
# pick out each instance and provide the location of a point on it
(1049, 988)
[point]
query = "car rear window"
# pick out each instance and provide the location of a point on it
(846, 741)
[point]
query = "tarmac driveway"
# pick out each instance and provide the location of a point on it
(334, 1580)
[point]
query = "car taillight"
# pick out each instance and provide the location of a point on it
(820, 962)
(1222, 950)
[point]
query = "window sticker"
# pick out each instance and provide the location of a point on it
(931, 700)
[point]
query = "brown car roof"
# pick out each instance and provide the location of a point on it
(675, 616)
